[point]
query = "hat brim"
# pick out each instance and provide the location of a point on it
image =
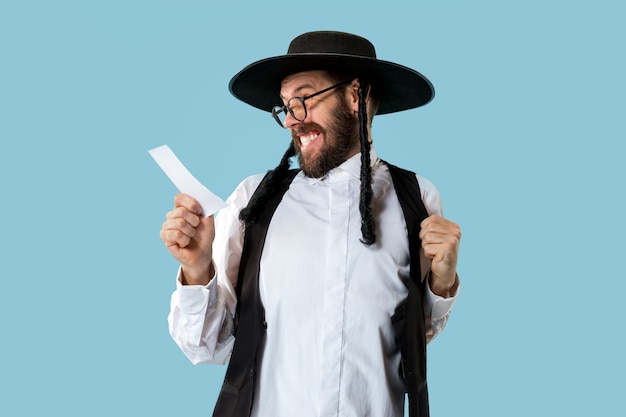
(398, 87)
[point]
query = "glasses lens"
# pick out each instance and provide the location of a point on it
(296, 107)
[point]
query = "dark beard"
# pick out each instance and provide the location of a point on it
(342, 137)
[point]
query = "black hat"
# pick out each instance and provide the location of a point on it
(397, 87)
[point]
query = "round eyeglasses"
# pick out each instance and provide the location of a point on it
(296, 108)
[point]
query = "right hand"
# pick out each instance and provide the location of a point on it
(189, 238)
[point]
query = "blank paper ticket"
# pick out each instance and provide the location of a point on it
(184, 181)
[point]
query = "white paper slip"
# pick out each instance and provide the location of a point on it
(184, 181)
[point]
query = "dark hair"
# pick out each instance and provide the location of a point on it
(267, 188)
(368, 226)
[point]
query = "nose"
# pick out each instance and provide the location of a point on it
(290, 122)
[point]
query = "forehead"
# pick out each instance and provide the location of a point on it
(314, 79)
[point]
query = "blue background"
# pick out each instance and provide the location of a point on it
(524, 140)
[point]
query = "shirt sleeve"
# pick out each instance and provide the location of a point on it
(202, 318)
(200, 322)
(437, 309)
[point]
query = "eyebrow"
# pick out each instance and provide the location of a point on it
(300, 88)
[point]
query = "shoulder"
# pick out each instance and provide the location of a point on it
(429, 193)
(242, 194)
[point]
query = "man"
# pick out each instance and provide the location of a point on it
(314, 284)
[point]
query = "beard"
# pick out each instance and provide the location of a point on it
(341, 139)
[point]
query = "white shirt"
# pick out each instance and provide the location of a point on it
(329, 348)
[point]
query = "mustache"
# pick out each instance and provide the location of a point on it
(305, 128)
(302, 129)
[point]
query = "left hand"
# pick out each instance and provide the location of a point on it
(440, 241)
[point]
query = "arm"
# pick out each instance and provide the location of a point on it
(199, 319)
(440, 245)
(202, 309)
(201, 322)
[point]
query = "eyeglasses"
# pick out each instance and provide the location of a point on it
(296, 108)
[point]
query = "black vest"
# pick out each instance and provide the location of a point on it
(236, 396)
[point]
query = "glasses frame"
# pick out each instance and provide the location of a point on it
(277, 110)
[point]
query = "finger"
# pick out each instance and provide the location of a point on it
(435, 238)
(174, 237)
(440, 251)
(437, 225)
(183, 213)
(440, 240)
(181, 225)
(440, 245)
(184, 200)
(435, 222)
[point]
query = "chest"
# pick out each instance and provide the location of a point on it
(314, 265)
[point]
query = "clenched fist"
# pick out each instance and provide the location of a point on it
(440, 241)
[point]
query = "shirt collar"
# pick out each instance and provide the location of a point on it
(352, 166)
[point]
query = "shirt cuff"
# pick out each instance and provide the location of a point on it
(440, 306)
(193, 299)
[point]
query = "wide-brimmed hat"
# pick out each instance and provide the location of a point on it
(397, 87)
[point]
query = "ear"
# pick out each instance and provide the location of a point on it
(353, 95)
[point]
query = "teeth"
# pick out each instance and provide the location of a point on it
(305, 140)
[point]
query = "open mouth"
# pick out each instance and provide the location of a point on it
(308, 138)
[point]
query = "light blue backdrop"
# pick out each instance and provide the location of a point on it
(524, 140)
